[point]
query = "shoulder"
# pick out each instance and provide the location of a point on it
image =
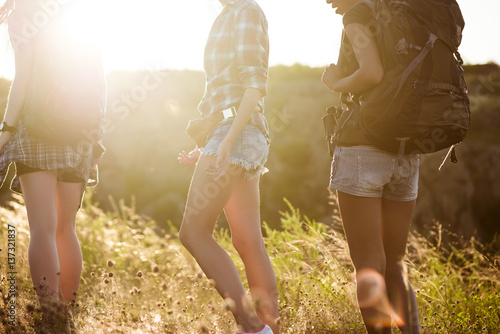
(21, 32)
(250, 9)
(361, 12)
(15, 22)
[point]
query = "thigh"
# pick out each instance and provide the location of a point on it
(396, 220)
(361, 218)
(243, 210)
(68, 197)
(39, 192)
(207, 197)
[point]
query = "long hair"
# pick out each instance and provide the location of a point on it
(6, 9)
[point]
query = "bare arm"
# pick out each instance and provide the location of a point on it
(23, 65)
(251, 97)
(370, 71)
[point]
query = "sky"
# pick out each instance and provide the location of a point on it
(159, 34)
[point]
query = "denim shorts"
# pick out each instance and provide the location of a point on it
(250, 149)
(366, 171)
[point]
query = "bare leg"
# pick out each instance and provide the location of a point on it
(361, 218)
(396, 219)
(68, 246)
(205, 202)
(243, 214)
(39, 190)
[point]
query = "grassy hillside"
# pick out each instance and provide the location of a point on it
(147, 116)
(138, 278)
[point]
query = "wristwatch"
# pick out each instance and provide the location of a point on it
(6, 127)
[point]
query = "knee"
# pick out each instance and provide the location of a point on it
(373, 261)
(43, 228)
(395, 269)
(65, 227)
(191, 236)
(245, 245)
(185, 236)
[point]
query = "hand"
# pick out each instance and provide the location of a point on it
(189, 159)
(331, 75)
(222, 162)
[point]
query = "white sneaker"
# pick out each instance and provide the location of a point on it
(265, 330)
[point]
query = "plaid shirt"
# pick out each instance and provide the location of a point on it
(36, 153)
(236, 58)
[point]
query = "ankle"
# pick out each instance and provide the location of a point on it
(264, 330)
(253, 325)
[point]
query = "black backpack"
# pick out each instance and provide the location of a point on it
(421, 105)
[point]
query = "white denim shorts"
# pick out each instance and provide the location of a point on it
(250, 149)
(366, 171)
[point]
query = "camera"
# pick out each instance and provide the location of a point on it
(330, 121)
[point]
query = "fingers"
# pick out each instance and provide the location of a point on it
(221, 165)
(187, 159)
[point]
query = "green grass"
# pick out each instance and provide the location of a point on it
(138, 278)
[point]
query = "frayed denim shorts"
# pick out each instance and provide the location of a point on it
(250, 149)
(366, 171)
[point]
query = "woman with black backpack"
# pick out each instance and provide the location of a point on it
(52, 170)
(376, 190)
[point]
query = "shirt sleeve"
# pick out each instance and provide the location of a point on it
(252, 48)
(359, 13)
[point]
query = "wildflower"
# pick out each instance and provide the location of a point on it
(110, 263)
(30, 308)
(139, 274)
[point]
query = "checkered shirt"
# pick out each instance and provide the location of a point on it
(36, 153)
(236, 58)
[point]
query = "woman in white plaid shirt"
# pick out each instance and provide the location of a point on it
(227, 172)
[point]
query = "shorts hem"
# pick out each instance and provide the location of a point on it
(250, 170)
(400, 199)
(353, 192)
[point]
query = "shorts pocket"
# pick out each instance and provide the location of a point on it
(414, 168)
(254, 147)
(375, 172)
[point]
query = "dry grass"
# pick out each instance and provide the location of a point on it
(138, 279)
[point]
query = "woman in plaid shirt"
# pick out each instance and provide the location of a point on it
(227, 172)
(52, 176)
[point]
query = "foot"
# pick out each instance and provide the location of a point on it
(265, 330)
